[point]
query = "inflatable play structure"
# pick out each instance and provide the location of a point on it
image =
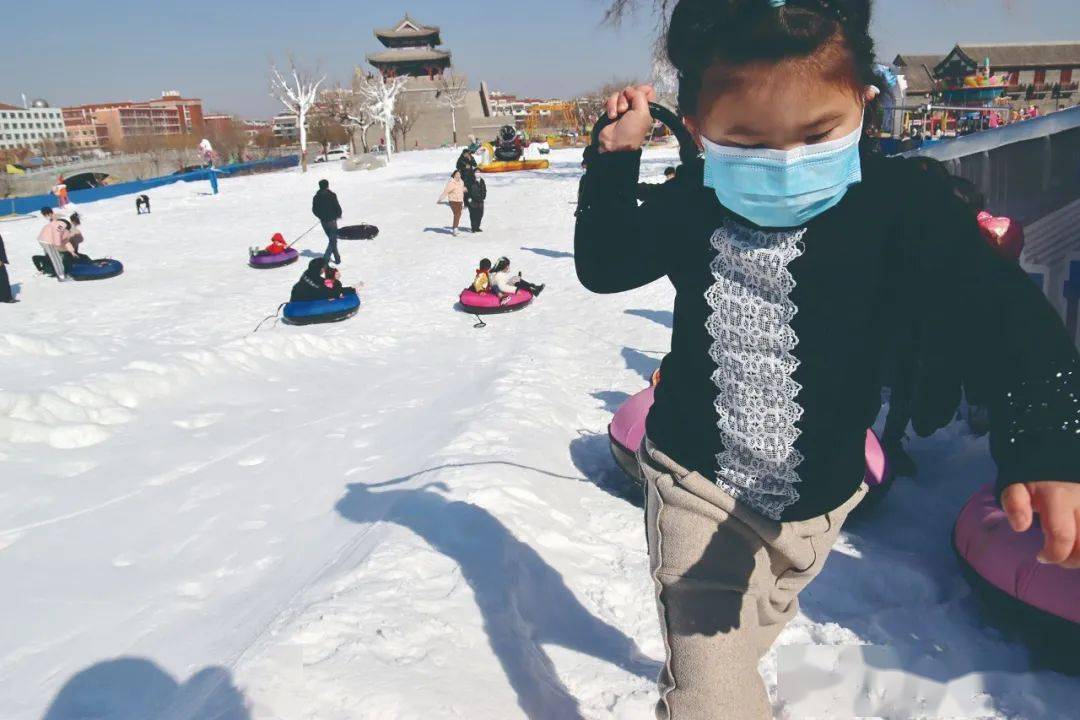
(83, 269)
(502, 167)
(627, 430)
(362, 231)
(264, 260)
(488, 303)
(311, 312)
(1042, 601)
(508, 154)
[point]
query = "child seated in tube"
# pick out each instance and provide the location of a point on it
(506, 285)
(482, 282)
(334, 286)
(276, 247)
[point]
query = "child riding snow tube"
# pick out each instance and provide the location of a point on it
(264, 260)
(489, 303)
(1043, 601)
(627, 430)
(311, 312)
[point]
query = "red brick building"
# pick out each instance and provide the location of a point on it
(108, 125)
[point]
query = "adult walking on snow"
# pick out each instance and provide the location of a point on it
(454, 193)
(5, 286)
(475, 195)
(326, 207)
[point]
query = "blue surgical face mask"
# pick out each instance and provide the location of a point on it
(783, 188)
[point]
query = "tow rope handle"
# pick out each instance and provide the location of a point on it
(688, 147)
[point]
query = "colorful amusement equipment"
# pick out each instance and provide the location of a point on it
(508, 151)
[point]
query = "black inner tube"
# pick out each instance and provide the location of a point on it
(688, 149)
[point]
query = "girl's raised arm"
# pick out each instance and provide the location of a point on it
(618, 245)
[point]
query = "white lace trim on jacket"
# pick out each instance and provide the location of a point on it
(752, 349)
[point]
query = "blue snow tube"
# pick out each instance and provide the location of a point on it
(308, 312)
(96, 269)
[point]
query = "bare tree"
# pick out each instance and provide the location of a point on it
(327, 129)
(453, 92)
(379, 96)
(665, 79)
(297, 93)
(265, 140)
(155, 148)
(406, 112)
(619, 10)
(230, 139)
(347, 107)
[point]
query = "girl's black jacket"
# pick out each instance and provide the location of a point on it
(897, 272)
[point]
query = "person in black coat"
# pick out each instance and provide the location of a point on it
(466, 165)
(326, 207)
(5, 286)
(475, 195)
(312, 284)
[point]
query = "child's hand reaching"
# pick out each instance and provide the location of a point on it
(1058, 506)
(628, 132)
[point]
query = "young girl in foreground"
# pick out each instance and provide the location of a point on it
(795, 260)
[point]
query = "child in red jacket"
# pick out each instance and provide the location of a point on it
(277, 245)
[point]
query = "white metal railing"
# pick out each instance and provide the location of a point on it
(986, 140)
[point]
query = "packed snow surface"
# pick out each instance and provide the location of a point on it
(398, 516)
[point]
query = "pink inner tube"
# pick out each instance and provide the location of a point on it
(274, 259)
(490, 301)
(628, 430)
(1006, 560)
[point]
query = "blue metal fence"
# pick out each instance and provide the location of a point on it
(33, 203)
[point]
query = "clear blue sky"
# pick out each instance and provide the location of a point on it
(75, 51)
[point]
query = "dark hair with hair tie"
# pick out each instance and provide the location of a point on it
(703, 33)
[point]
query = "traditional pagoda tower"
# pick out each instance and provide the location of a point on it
(411, 50)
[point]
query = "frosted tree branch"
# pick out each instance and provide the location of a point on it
(298, 95)
(378, 95)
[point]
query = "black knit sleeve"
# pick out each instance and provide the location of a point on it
(990, 327)
(619, 245)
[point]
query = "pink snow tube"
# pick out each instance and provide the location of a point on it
(627, 430)
(489, 303)
(1003, 563)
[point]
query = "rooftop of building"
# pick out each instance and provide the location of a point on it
(408, 28)
(1045, 54)
(413, 54)
(917, 78)
(1002, 56)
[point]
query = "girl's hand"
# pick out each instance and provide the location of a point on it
(1058, 506)
(628, 132)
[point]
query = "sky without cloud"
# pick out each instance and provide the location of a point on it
(219, 50)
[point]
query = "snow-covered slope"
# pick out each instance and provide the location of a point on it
(400, 516)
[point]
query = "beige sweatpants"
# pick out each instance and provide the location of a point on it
(727, 581)
(55, 258)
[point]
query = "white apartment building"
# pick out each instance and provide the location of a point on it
(28, 127)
